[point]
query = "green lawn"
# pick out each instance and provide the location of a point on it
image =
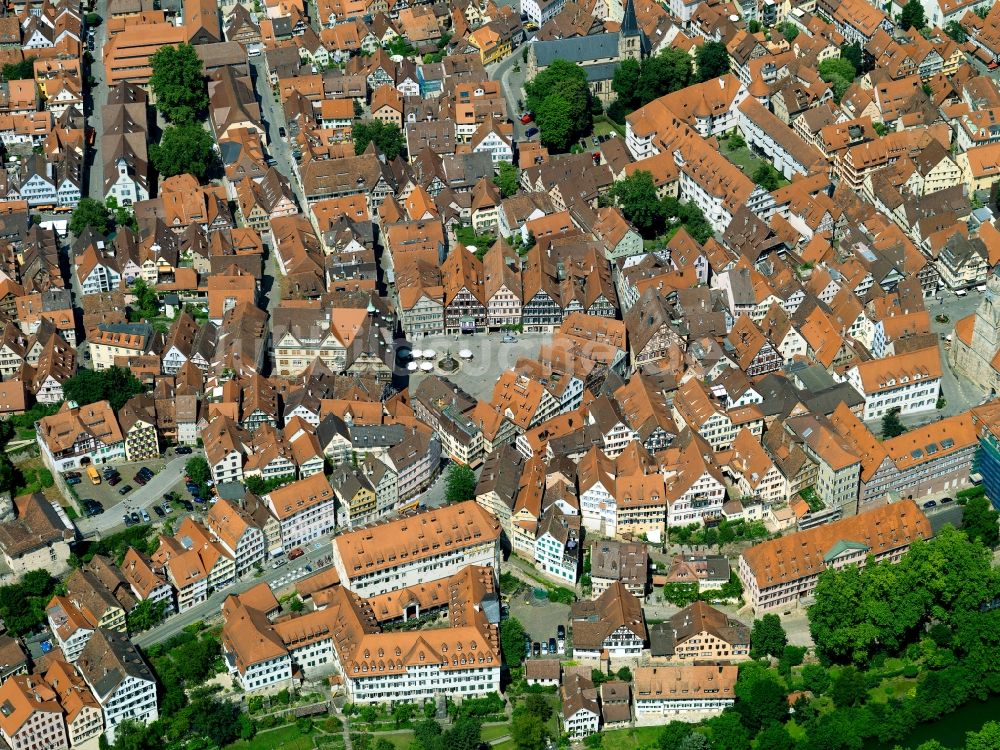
(505, 745)
(605, 126)
(745, 160)
(493, 731)
(636, 738)
(286, 738)
(402, 741)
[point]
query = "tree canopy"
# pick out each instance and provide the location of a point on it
(387, 137)
(712, 59)
(891, 424)
(460, 483)
(839, 73)
(178, 81)
(512, 637)
(506, 179)
(560, 98)
(767, 177)
(639, 83)
(767, 638)
(979, 522)
(90, 213)
(116, 385)
(912, 16)
(186, 148)
(858, 612)
(19, 71)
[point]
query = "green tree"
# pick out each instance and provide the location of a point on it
(387, 137)
(527, 731)
(460, 484)
(760, 698)
(955, 31)
(625, 82)
(673, 734)
(767, 177)
(912, 16)
(767, 637)
(849, 688)
(695, 741)
(506, 179)
(560, 98)
(637, 198)
(712, 59)
(19, 71)
(775, 737)
(123, 215)
(147, 303)
(427, 735)
(185, 148)
(465, 734)
(197, 468)
(512, 637)
(790, 31)
(980, 522)
(728, 732)
(539, 705)
(815, 678)
(987, 738)
(839, 73)
(178, 81)
(147, 614)
(10, 476)
(90, 213)
(120, 385)
(662, 74)
(852, 53)
(891, 424)
(86, 387)
(754, 26)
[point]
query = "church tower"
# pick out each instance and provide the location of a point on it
(631, 40)
(984, 332)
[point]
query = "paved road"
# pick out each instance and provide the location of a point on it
(273, 119)
(211, 608)
(99, 96)
(511, 84)
(144, 497)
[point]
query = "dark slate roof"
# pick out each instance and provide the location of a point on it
(578, 49)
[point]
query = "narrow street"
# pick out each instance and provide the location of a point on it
(99, 96)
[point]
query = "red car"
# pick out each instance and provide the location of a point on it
(527, 117)
(295, 552)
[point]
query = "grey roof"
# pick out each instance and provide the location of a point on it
(107, 659)
(601, 71)
(366, 436)
(577, 49)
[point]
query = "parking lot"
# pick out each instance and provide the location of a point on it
(168, 477)
(540, 617)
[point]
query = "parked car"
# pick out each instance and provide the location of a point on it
(168, 508)
(930, 504)
(140, 479)
(135, 517)
(198, 498)
(187, 505)
(527, 648)
(552, 645)
(125, 490)
(72, 475)
(560, 631)
(295, 552)
(946, 500)
(536, 648)
(158, 511)
(183, 450)
(531, 132)
(127, 519)
(147, 472)
(509, 338)
(74, 480)
(115, 480)
(110, 471)
(527, 117)
(145, 516)
(278, 563)
(282, 132)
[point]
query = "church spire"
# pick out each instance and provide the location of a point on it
(629, 27)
